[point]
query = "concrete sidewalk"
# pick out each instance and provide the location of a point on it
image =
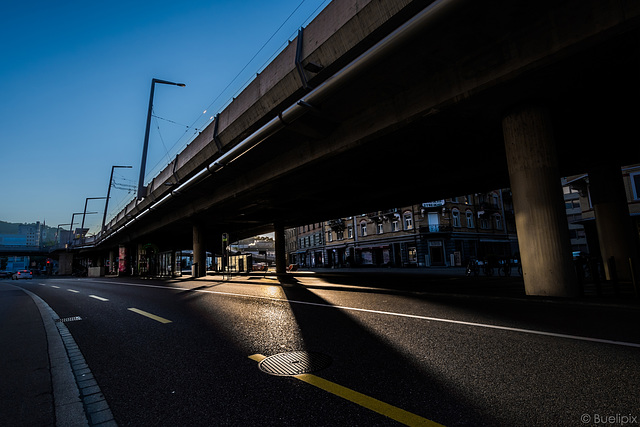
(44, 378)
(26, 394)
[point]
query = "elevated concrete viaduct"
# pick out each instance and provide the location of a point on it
(396, 102)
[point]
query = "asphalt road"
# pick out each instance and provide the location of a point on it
(186, 352)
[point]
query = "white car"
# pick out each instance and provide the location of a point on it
(22, 274)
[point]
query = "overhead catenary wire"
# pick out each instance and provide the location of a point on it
(197, 129)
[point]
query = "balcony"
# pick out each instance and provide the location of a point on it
(436, 228)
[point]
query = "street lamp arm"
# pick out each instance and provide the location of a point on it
(153, 81)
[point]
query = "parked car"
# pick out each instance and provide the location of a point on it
(260, 266)
(22, 274)
(5, 274)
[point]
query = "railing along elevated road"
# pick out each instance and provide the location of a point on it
(387, 103)
(9, 250)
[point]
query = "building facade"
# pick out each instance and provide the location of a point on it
(33, 233)
(306, 245)
(438, 233)
(573, 202)
(581, 212)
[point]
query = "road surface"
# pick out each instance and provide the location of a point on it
(188, 352)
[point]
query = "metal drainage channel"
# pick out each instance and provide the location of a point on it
(68, 319)
(294, 363)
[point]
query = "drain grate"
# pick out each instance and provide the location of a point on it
(294, 363)
(69, 319)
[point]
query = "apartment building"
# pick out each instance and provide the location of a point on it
(572, 187)
(581, 213)
(306, 245)
(438, 233)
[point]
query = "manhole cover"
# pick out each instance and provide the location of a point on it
(294, 363)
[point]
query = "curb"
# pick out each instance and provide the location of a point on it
(77, 398)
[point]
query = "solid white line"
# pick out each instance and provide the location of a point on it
(390, 313)
(98, 298)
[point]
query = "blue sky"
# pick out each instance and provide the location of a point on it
(74, 89)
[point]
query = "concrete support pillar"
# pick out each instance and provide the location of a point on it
(139, 257)
(543, 232)
(199, 252)
(112, 257)
(65, 264)
(616, 234)
(280, 247)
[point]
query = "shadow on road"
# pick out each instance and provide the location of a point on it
(368, 361)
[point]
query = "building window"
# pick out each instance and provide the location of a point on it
(572, 204)
(350, 232)
(380, 228)
(484, 223)
(469, 216)
(363, 228)
(498, 220)
(340, 234)
(635, 185)
(408, 220)
(495, 200)
(455, 218)
(395, 225)
(329, 236)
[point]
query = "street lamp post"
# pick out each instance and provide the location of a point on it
(73, 217)
(85, 211)
(143, 163)
(106, 203)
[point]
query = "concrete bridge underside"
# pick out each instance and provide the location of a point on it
(425, 120)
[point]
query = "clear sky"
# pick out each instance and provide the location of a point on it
(74, 90)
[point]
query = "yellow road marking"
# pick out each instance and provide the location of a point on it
(363, 400)
(150, 316)
(257, 357)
